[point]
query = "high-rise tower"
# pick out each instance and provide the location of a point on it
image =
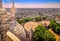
(13, 13)
(13, 10)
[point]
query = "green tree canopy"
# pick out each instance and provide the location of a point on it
(55, 26)
(42, 34)
(21, 21)
(44, 18)
(28, 19)
(38, 18)
(24, 20)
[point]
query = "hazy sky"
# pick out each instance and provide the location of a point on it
(33, 3)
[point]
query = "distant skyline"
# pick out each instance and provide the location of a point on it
(32, 3)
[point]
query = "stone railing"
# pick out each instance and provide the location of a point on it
(12, 37)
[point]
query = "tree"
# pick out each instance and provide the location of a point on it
(55, 26)
(44, 18)
(42, 34)
(24, 20)
(21, 21)
(37, 18)
(28, 19)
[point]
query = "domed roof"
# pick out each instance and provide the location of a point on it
(31, 25)
(15, 27)
(20, 32)
(4, 17)
(9, 15)
(8, 18)
(3, 11)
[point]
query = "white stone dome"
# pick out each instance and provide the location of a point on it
(20, 32)
(3, 11)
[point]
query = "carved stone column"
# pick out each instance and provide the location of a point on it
(3, 25)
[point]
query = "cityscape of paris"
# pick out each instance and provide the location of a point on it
(29, 20)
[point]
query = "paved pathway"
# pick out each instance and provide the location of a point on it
(56, 36)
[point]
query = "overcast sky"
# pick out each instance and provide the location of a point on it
(32, 3)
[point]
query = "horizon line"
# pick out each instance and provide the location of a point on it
(52, 5)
